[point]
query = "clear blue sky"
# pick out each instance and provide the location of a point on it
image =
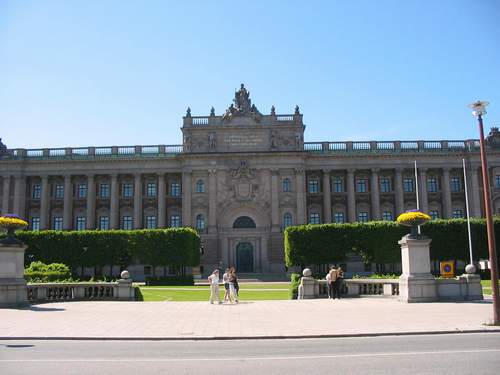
(81, 73)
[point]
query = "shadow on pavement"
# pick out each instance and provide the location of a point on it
(42, 308)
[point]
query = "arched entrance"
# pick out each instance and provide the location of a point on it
(244, 257)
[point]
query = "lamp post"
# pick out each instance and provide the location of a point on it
(478, 110)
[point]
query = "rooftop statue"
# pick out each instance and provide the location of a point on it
(242, 106)
(3, 148)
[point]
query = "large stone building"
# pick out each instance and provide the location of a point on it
(239, 179)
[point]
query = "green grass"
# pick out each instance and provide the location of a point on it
(487, 286)
(202, 293)
(281, 286)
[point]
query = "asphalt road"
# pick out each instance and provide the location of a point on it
(426, 354)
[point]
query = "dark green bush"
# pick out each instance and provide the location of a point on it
(294, 285)
(156, 247)
(41, 272)
(377, 241)
(170, 280)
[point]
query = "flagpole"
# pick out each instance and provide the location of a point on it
(468, 213)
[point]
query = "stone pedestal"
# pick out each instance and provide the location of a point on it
(474, 287)
(13, 290)
(416, 283)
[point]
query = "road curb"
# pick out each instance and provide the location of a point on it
(228, 338)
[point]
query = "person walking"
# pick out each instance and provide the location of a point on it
(233, 283)
(213, 280)
(339, 280)
(329, 282)
(333, 280)
(225, 280)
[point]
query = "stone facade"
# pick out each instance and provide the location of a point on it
(240, 178)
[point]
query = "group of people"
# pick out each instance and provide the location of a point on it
(334, 279)
(231, 287)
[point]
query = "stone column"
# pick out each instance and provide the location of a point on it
(375, 194)
(6, 195)
(90, 202)
(162, 206)
(68, 203)
(301, 195)
(20, 196)
(351, 197)
(212, 200)
(186, 187)
(398, 187)
(137, 201)
(446, 194)
(327, 197)
(422, 184)
(416, 284)
(475, 192)
(275, 215)
(44, 203)
(13, 290)
(114, 210)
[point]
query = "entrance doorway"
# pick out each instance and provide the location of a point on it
(244, 257)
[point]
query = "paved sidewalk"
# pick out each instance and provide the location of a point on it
(320, 317)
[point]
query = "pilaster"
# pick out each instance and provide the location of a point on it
(90, 221)
(162, 207)
(68, 203)
(398, 187)
(327, 197)
(375, 193)
(6, 195)
(44, 203)
(186, 198)
(447, 214)
(212, 200)
(301, 196)
(351, 196)
(137, 201)
(114, 213)
(424, 202)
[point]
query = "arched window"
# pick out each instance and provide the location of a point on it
(287, 185)
(200, 186)
(287, 219)
(200, 222)
(244, 222)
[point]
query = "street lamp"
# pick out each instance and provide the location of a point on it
(478, 110)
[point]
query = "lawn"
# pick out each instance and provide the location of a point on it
(487, 286)
(248, 292)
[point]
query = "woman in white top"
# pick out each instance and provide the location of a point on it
(213, 280)
(225, 280)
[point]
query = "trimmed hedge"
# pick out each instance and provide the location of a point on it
(377, 241)
(156, 247)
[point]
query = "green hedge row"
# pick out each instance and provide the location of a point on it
(377, 241)
(155, 247)
(41, 272)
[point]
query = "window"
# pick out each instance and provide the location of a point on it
(127, 190)
(127, 222)
(81, 191)
(363, 216)
(287, 219)
(432, 186)
(80, 223)
(244, 222)
(338, 184)
(362, 185)
(408, 185)
(59, 192)
(58, 223)
(151, 222)
(36, 192)
(313, 185)
(287, 185)
(458, 213)
(175, 189)
(147, 270)
(200, 222)
(385, 185)
(338, 217)
(200, 186)
(387, 216)
(314, 218)
(151, 189)
(104, 190)
(35, 223)
(104, 222)
(434, 214)
(455, 184)
(497, 181)
(175, 221)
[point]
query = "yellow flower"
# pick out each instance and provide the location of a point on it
(12, 222)
(412, 216)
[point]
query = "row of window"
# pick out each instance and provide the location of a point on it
(127, 222)
(104, 190)
(385, 185)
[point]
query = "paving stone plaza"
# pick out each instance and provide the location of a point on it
(240, 178)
